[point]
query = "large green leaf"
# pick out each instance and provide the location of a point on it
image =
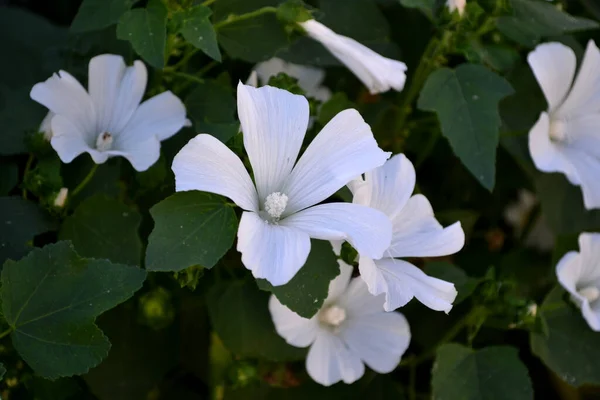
(98, 14)
(307, 291)
(190, 228)
(50, 299)
(102, 227)
(492, 373)
(195, 26)
(20, 222)
(535, 19)
(240, 316)
(253, 40)
(466, 101)
(567, 344)
(146, 29)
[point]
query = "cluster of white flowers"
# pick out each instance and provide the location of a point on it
(566, 138)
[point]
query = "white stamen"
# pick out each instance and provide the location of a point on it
(332, 316)
(104, 141)
(275, 204)
(558, 130)
(591, 293)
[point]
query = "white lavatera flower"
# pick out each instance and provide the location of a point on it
(108, 120)
(579, 274)
(349, 331)
(415, 233)
(379, 74)
(280, 215)
(310, 79)
(457, 5)
(566, 137)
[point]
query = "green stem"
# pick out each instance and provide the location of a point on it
(184, 75)
(6, 333)
(27, 168)
(412, 378)
(85, 180)
(208, 3)
(236, 18)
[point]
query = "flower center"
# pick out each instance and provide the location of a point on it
(591, 293)
(558, 130)
(275, 204)
(332, 316)
(104, 141)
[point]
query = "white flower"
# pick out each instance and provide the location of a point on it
(279, 218)
(108, 119)
(457, 5)
(61, 197)
(350, 330)
(579, 274)
(517, 215)
(566, 138)
(416, 233)
(46, 126)
(378, 73)
(310, 79)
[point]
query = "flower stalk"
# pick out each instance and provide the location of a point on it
(236, 18)
(85, 180)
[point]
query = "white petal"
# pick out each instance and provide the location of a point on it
(553, 65)
(591, 313)
(343, 150)
(274, 123)
(546, 155)
(252, 79)
(587, 169)
(401, 281)
(388, 187)
(68, 142)
(63, 95)
(589, 247)
(161, 116)
(584, 97)
(569, 272)
(367, 230)
(206, 164)
(297, 331)
(266, 69)
(358, 302)
(378, 73)
(330, 361)
(416, 232)
(379, 339)
(339, 284)
(142, 155)
(116, 90)
(46, 125)
(457, 5)
(273, 252)
(309, 78)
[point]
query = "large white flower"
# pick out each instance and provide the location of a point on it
(310, 79)
(378, 73)
(416, 233)
(579, 274)
(457, 5)
(108, 119)
(350, 330)
(566, 138)
(279, 218)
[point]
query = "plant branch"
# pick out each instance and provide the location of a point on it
(85, 180)
(27, 168)
(236, 18)
(6, 333)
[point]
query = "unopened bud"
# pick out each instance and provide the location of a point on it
(61, 197)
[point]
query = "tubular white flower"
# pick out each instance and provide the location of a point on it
(579, 274)
(457, 5)
(379, 74)
(310, 79)
(566, 137)
(280, 214)
(108, 119)
(416, 233)
(349, 331)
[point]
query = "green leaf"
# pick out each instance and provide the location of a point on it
(293, 11)
(146, 29)
(307, 291)
(464, 284)
(196, 28)
(533, 20)
(9, 177)
(50, 299)
(212, 106)
(492, 373)
(466, 101)
(102, 227)
(190, 228)
(569, 347)
(94, 15)
(20, 222)
(240, 315)
(426, 6)
(253, 40)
